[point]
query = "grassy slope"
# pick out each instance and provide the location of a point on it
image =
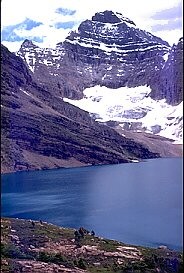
(48, 248)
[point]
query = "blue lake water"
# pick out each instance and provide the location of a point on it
(137, 203)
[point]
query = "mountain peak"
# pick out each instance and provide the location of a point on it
(180, 40)
(28, 43)
(111, 17)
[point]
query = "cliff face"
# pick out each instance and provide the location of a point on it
(40, 130)
(110, 50)
(168, 83)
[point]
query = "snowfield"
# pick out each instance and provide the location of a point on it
(133, 106)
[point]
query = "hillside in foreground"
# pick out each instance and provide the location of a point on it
(30, 247)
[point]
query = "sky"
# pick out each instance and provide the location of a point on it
(48, 22)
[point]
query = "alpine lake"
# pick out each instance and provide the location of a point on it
(136, 203)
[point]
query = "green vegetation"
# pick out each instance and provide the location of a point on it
(53, 232)
(80, 263)
(41, 242)
(108, 245)
(55, 258)
(11, 251)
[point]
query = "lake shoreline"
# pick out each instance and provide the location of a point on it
(87, 165)
(38, 244)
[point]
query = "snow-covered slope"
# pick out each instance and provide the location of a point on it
(133, 109)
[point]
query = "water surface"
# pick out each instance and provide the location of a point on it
(137, 203)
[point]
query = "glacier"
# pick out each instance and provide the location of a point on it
(133, 106)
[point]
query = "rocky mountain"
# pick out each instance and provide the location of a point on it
(39, 130)
(114, 52)
(108, 50)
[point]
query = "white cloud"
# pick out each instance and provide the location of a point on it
(55, 35)
(171, 36)
(15, 11)
(12, 46)
(44, 11)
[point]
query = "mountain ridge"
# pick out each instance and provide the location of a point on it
(36, 124)
(108, 54)
(40, 126)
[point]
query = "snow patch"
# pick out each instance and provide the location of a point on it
(165, 56)
(112, 48)
(133, 105)
(26, 92)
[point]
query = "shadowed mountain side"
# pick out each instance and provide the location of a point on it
(168, 83)
(37, 125)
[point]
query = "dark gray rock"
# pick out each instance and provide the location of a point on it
(110, 17)
(168, 83)
(108, 50)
